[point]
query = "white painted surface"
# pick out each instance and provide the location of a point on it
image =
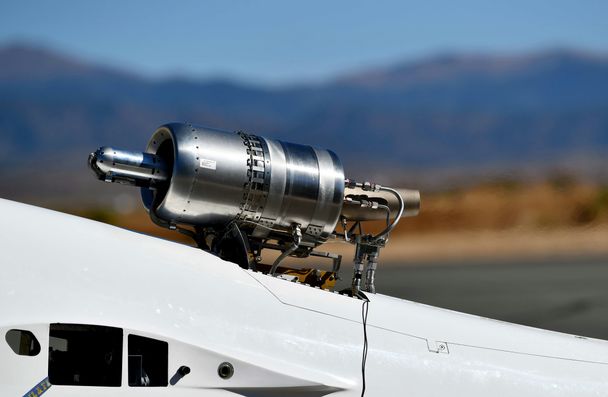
(281, 337)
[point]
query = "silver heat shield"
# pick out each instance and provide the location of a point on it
(266, 186)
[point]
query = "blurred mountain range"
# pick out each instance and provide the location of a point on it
(445, 117)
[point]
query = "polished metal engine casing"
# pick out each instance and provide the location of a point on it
(264, 185)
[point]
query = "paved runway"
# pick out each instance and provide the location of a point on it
(568, 296)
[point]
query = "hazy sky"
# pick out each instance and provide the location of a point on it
(287, 41)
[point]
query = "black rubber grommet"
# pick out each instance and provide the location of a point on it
(225, 370)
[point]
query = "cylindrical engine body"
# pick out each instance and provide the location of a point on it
(264, 185)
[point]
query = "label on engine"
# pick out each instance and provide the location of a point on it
(209, 164)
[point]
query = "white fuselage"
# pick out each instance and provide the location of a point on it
(282, 338)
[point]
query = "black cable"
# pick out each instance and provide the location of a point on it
(354, 226)
(283, 255)
(364, 311)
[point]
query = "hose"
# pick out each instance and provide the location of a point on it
(390, 227)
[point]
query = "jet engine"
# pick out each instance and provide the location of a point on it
(236, 193)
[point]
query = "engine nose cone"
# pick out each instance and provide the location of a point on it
(127, 167)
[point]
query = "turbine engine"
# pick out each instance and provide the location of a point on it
(237, 193)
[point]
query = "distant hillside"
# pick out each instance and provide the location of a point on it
(453, 113)
(26, 64)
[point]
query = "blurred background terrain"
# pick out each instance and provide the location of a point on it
(499, 116)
